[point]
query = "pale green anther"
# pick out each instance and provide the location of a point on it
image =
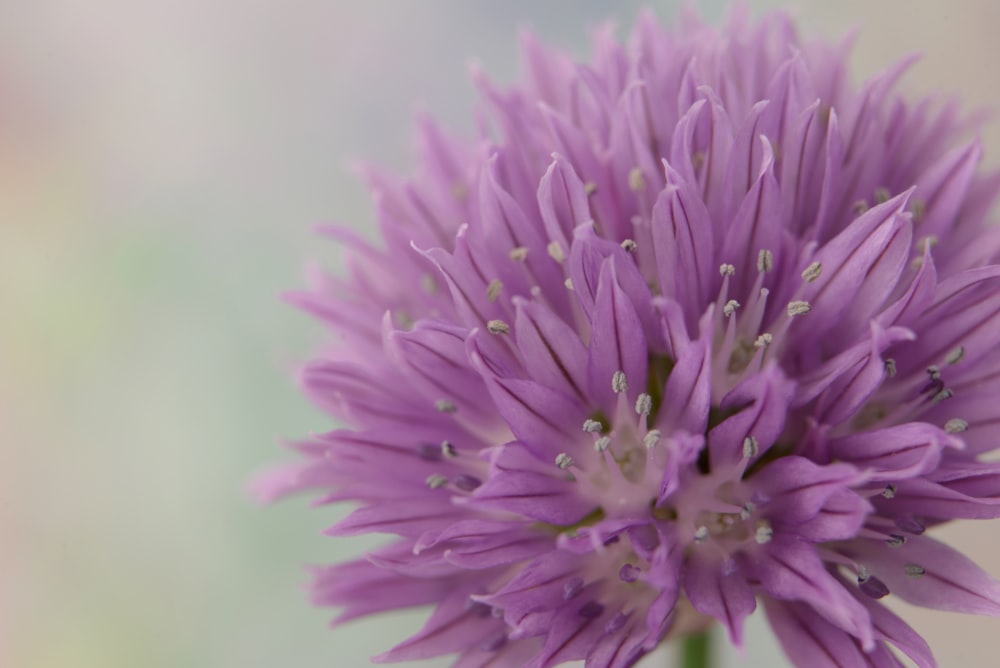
(764, 532)
(497, 327)
(519, 254)
(618, 382)
(798, 308)
(812, 272)
(651, 438)
(436, 480)
(493, 289)
(556, 251)
(564, 461)
(955, 356)
(765, 260)
(956, 426)
(636, 181)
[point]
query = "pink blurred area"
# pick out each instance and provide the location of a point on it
(161, 164)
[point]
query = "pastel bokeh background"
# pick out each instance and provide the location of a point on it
(161, 164)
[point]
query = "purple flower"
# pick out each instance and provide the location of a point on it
(693, 327)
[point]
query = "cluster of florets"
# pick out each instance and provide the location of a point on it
(692, 327)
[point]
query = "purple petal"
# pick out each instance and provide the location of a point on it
(796, 488)
(895, 453)
(928, 573)
(720, 590)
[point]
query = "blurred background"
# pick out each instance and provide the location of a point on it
(161, 165)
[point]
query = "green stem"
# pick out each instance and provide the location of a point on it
(695, 651)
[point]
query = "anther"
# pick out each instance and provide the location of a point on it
(497, 327)
(592, 426)
(436, 480)
(955, 356)
(448, 450)
(747, 510)
(914, 570)
(750, 447)
(602, 444)
(765, 260)
(942, 395)
(895, 540)
(727, 269)
(764, 532)
(812, 272)
(636, 181)
(589, 188)
(956, 426)
(927, 243)
(445, 406)
(643, 404)
(564, 461)
(629, 245)
(763, 341)
(701, 534)
(628, 573)
(428, 283)
(569, 284)
(493, 289)
(519, 254)
(730, 308)
(882, 195)
(918, 207)
(466, 483)
(556, 251)
(890, 367)
(934, 372)
(651, 438)
(618, 382)
(572, 587)
(889, 492)
(591, 610)
(798, 308)
(860, 206)
(870, 585)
